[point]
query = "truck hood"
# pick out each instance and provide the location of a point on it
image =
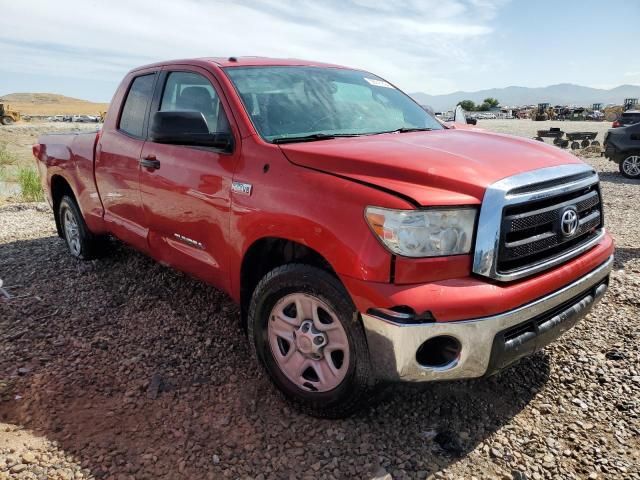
(443, 167)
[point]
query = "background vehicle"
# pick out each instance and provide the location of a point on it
(84, 118)
(8, 116)
(622, 145)
(342, 217)
(627, 118)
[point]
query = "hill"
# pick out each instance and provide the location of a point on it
(562, 94)
(51, 104)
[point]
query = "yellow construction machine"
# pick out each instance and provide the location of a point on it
(8, 116)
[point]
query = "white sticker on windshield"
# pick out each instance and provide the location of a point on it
(378, 83)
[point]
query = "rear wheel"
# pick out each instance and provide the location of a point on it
(630, 166)
(80, 241)
(6, 120)
(309, 338)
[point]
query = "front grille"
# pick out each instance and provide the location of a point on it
(531, 232)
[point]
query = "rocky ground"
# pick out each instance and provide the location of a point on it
(120, 368)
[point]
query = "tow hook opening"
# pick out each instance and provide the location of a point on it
(442, 351)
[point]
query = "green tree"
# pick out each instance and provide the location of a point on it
(467, 105)
(491, 102)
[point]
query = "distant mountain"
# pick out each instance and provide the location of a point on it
(561, 94)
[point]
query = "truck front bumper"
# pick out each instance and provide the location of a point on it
(478, 347)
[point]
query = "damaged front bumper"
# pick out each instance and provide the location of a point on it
(478, 347)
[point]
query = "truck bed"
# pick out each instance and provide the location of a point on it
(70, 155)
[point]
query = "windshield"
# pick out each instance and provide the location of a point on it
(320, 102)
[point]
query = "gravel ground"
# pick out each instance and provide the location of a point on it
(121, 368)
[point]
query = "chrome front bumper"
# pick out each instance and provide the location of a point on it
(393, 346)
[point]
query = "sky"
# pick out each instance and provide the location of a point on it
(82, 48)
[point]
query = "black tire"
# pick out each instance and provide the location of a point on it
(88, 246)
(356, 390)
(625, 169)
(7, 120)
(584, 143)
(575, 145)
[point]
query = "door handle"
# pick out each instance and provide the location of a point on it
(150, 162)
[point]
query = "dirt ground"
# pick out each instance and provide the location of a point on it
(120, 368)
(19, 137)
(528, 128)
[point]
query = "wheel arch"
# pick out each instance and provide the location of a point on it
(267, 253)
(60, 187)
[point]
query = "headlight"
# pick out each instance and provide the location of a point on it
(424, 233)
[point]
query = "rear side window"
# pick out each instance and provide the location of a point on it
(135, 106)
(193, 92)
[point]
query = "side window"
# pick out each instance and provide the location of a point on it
(135, 106)
(191, 91)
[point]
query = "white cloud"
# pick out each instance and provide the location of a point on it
(419, 45)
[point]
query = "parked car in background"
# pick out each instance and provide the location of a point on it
(627, 118)
(364, 241)
(622, 145)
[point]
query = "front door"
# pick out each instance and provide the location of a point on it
(186, 190)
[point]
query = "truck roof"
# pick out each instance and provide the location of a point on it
(242, 62)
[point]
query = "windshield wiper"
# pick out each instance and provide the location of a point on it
(313, 137)
(406, 130)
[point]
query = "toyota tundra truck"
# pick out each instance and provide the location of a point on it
(365, 241)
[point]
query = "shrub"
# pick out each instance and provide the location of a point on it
(6, 157)
(30, 185)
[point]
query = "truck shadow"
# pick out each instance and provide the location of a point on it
(624, 255)
(137, 370)
(616, 178)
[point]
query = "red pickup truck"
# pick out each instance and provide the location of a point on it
(365, 241)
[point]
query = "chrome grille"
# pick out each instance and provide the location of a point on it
(531, 233)
(519, 228)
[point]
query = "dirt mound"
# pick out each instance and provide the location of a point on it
(51, 104)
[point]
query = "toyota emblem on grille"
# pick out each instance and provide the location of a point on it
(569, 222)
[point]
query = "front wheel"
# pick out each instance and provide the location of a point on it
(308, 336)
(630, 166)
(6, 120)
(80, 241)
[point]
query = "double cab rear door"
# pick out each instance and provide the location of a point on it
(171, 201)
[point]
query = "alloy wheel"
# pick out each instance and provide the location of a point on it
(631, 165)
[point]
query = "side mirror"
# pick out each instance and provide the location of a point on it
(187, 128)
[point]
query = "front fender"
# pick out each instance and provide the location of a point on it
(320, 211)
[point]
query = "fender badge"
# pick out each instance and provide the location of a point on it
(241, 188)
